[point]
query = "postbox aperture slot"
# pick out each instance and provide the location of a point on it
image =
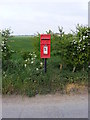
(45, 39)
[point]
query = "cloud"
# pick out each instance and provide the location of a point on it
(30, 16)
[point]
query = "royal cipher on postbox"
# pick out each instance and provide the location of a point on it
(45, 42)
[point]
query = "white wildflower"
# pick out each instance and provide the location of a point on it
(73, 53)
(4, 47)
(25, 65)
(83, 37)
(26, 60)
(2, 42)
(31, 62)
(75, 42)
(41, 63)
(35, 56)
(37, 69)
(80, 40)
(89, 66)
(78, 47)
(83, 48)
(31, 58)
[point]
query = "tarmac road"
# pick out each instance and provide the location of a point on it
(48, 106)
(0, 106)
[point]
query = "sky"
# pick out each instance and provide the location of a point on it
(27, 17)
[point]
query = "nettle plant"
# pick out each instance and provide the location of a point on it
(78, 50)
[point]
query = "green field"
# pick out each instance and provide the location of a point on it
(22, 43)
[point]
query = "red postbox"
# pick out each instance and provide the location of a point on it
(45, 42)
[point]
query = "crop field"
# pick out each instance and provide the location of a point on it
(21, 43)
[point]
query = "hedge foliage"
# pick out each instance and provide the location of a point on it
(68, 64)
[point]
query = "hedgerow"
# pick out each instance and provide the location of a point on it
(68, 64)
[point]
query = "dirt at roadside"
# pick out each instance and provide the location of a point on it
(76, 89)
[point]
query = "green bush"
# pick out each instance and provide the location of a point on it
(77, 54)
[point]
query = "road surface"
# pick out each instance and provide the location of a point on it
(0, 106)
(48, 106)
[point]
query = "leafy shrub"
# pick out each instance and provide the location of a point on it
(77, 54)
(6, 51)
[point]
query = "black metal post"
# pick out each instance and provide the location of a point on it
(45, 65)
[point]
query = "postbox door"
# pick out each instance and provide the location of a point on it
(45, 50)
